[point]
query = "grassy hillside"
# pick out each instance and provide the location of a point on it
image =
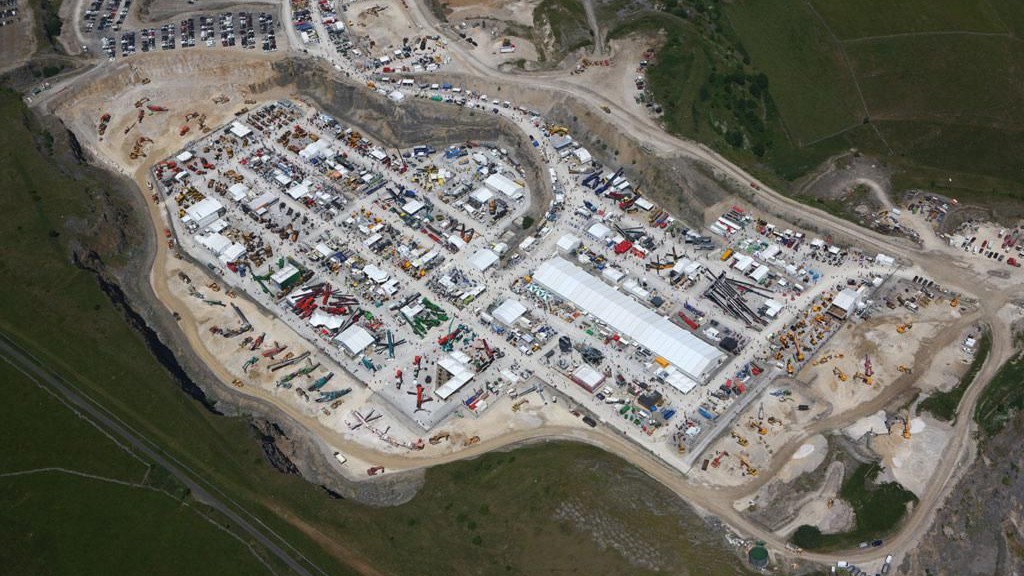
(935, 89)
(70, 496)
(555, 508)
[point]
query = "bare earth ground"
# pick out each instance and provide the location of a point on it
(17, 39)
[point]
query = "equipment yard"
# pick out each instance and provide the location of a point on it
(406, 250)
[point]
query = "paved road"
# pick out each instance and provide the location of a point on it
(32, 367)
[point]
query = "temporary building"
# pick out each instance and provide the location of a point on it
(481, 196)
(772, 308)
(509, 312)
(205, 212)
(285, 276)
(743, 262)
(559, 142)
(694, 357)
(238, 192)
(184, 156)
(613, 275)
(456, 241)
(412, 206)
(759, 273)
(240, 130)
(483, 259)
(396, 96)
(216, 243)
(588, 378)
(299, 191)
(568, 243)
(262, 201)
(452, 374)
(884, 260)
(844, 303)
(679, 381)
(321, 319)
(232, 252)
(598, 231)
(354, 340)
(770, 252)
(503, 185)
(583, 155)
(375, 273)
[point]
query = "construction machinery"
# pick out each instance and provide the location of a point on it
(906, 425)
(869, 370)
(740, 439)
(903, 328)
(439, 437)
(421, 398)
(751, 471)
(839, 374)
(519, 404)
(789, 367)
(864, 378)
(954, 302)
(472, 441)
(755, 425)
(374, 470)
(718, 459)
(799, 352)
(905, 369)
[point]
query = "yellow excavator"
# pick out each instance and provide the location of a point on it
(746, 466)
(905, 369)
(839, 374)
(865, 379)
(740, 439)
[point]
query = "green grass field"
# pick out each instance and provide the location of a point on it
(943, 405)
(508, 513)
(879, 508)
(1002, 398)
(868, 18)
(810, 83)
(68, 511)
(941, 83)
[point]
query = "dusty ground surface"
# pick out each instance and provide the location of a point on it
(516, 11)
(155, 11)
(17, 38)
(385, 28)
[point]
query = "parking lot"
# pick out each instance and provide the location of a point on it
(247, 30)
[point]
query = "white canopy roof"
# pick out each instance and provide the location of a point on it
(355, 339)
(483, 259)
(504, 185)
(599, 231)
(461, 374)
(509, 311)
(679, 347)
(238, 191)
(568, 242)
(481, 195)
